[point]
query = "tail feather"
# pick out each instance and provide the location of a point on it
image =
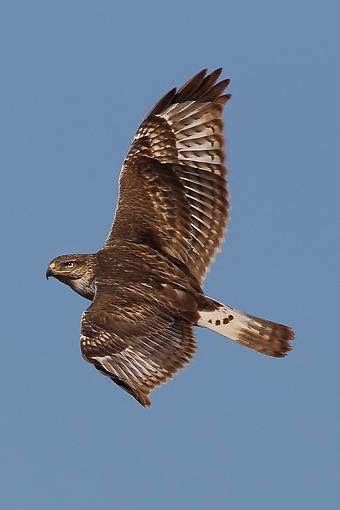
(261, 335)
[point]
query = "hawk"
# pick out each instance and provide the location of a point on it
(145, 283)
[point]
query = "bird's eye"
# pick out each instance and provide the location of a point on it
(69, 265)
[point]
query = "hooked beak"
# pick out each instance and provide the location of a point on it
(50, 271)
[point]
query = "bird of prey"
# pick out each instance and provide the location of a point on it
(145, 283)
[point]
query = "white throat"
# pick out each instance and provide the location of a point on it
(83, 286)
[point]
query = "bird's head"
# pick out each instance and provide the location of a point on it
(69, 267)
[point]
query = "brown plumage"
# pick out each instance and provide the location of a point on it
(145, 284)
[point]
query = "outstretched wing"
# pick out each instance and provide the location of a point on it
(173, 193)
(135, 343)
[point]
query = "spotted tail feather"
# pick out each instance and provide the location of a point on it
(261, 335)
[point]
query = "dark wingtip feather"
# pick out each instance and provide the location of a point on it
(186, 92)
(202, 87)
(164, 102)
(198, 77)
(224, 98)
(215, 91)
(143, 400)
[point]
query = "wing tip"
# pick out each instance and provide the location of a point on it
(143, 400)
(201, 87)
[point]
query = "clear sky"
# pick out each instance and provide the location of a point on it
(235, 430)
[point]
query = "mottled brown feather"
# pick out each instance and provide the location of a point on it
(138, 344)
(172, 186)
(146, 282)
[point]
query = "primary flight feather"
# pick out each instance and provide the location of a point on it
(145, 284)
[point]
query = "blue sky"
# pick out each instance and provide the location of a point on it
(235, 429)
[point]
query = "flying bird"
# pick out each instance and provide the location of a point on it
(145, 283)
